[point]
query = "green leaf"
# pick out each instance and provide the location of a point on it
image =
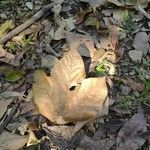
(5, 27)
(14, 76)
(92, 21)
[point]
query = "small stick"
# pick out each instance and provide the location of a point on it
(144, 13)
(25, 25)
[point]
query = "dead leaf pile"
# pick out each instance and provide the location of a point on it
(66, 96)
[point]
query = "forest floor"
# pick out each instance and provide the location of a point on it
(75, 76)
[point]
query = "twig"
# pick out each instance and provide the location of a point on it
(140, 9)
(5, 56)
(25, 25)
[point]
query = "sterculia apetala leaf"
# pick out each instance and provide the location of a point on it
(59, 102)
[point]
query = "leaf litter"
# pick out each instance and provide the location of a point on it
(81, 59)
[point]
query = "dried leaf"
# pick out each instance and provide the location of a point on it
(89, 144)
(127, 137)
(66, 96)
(71, 69)
(79, 16)
(137, 86)
(4, 103)
(60, 33)
(88, 102)
(10, 141)
(5, 27)
(75, 40)
(95, 3)
(48, 61)
(46, 97)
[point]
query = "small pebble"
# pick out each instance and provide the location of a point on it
(29, 5)
(135, 55)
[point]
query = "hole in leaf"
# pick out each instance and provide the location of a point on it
(72, 88)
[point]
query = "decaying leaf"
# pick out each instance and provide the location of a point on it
(90, 144)
(75, 40)
(66, 96)
(10, 141)
(128, 135)
(4, 103)
(137, 86)
(92, 21)
(95, 3)
(14, 76)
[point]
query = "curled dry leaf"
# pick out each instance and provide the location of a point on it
(66, 96)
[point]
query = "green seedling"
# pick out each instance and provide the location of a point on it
(145, 94)
(129, 25)
(101, 69)
(27, 39)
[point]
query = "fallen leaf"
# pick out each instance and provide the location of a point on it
(120, 15)
(46, 98)
(137, 86)
(90, 144)
(65, 131)
(91, 102)
(5, 27)
(10, 141)
(66, 96)
(60, 33)
(48, 61)
(75, 40)
(92, 21)
(14, 76)
(95, 3)
(141, 42)
(128, 135)
(4, 103)
(71, 68)
(79, 16)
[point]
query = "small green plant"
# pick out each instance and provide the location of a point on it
(101, 69)
(129, 25)
(27, 39)
(145, 95)
(126, 103)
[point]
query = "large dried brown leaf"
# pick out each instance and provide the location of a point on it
(57, 101)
